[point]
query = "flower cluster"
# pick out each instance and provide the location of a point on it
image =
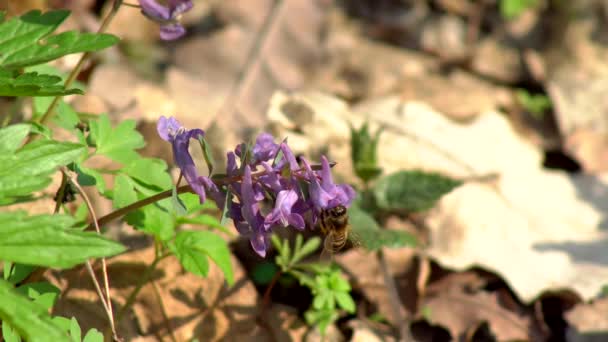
(266, 188)
(167, 16)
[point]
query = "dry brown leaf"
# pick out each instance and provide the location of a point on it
(192, 307)
(460, 311)
(588, 322)
(539, 230)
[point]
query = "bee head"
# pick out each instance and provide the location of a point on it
(338, 211)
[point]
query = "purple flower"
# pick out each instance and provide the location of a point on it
(326, 194)
(250, 211)
(172, 131)
(264, 148)
(167, 16)
(283, 211)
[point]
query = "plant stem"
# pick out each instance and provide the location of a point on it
(400, 319)
(273, 282)
(72, 76)
(142, 281)
(166, 194)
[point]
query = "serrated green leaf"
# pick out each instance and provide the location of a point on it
(40, 157)
(149, 171)
(117, 143)
(31, 320)
(47, 240)
(309, 247)
(91, 177)
(32, 84)
(25, 40)
(123, 191)
(158, 222)
(371, 237)
(11, 137)
(411, 191)
(193, 248)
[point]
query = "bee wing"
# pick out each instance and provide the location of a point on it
(354, 238)
(328, 252)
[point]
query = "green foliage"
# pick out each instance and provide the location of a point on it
(536, 104)
(193, 247)
(510, 9)
(48, 240)
(32, 84)
(411, 191)
(29, 319)
(28, 169)
(364, 153)
(207, 154)
(331, 291)
(118, 143)
(371, 236)
(27, 40)
(72, 328)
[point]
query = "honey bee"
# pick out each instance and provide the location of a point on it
(334, 225)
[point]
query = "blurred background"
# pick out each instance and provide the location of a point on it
(508, 96)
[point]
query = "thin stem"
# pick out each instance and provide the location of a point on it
(139, 286)
(166, 194)
(104, 266)
(72, 76)
(163, 311)
(266, 298)
(401, 321)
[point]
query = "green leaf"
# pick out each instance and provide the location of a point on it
(536, 104)
(158, 222)
(309, 247)
(19, 272)
(206, 221)
(11, 137)
(9, 334)
(123, 191)
(25, 40)
(118, 143)
(193, 248)
(178, 205)
(226, 208)
(91, 177)
(42, 293)
(149, 171)
(30, 319)
(371, 237)
(75, 331)
(263, 273)
(207, 154)
(32, 84)
(26, 171)
(40, 157)
(364, 153)
(411, 191)
(510, 9)
(47, 240)
(345, 301)
(93, 335)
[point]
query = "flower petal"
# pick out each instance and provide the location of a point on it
(154, 10)
(178, 7)
(171, 31)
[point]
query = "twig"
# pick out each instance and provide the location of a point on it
(140, 284)
(166, 194)
(401, 321)
(104, 267)
(74, 73)
(266, 298)
(246, 76)
(159, 298)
